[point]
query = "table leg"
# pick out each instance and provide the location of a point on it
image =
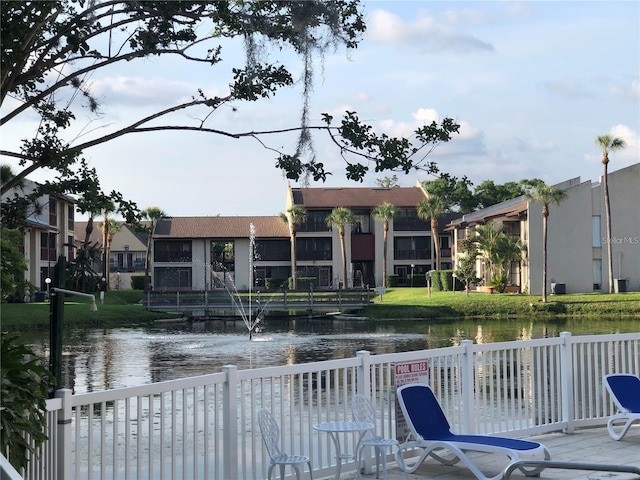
(336, 442)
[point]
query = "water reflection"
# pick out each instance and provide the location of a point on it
(100, 359)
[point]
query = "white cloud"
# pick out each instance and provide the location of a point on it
(424, 32)
(145, 91)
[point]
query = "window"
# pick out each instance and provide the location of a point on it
(70, 217)
(363, 224)
(412, 248)
(315, 221)
(595, 222)
(512, 230)
(172, 251)
(313, 248)
(172, 278)
(48, 246)
(223, 256)
(70, 250)
(406, 220)
(273, 250)
(53, 212)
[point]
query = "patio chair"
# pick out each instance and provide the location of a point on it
(271, 436)
(624, 389)
(363, 410)
(430, 430)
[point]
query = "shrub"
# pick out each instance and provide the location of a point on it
(137, 282)
(393, 280)
(304, 283)
(23, 392)
(275, 283)
(436, 282)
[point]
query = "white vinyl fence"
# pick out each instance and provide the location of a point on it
(205, 427)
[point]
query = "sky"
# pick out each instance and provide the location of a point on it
(532, 84)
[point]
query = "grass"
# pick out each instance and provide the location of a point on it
(415, 303)
(120, 307)
(123, 308)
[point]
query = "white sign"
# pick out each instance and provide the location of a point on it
(408, 372)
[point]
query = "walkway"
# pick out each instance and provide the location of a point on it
(591, 445)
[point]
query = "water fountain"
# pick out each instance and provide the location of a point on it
(251, 322)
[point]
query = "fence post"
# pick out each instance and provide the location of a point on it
(63, 434)
(566, 380)
(363, 379)
(468, 390)
(230, 423)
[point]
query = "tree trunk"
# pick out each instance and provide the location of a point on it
(294, 277)
(436, 243)
(344, 259)
(607, 212)
(544, 258)
(105, 249)
(384, 255)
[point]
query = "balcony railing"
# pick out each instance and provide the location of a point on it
(205, 426)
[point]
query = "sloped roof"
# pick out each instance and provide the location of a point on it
(80, 229)
(357, 197)
(221, 227)
(513, 208)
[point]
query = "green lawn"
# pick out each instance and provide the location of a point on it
(124, 308)
(415, 303)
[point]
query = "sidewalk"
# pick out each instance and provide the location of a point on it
(591, 445)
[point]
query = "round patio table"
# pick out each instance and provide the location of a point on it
(334, 429)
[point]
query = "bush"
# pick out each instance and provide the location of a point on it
(304, 283)
(436, 282)
(393, 280)
(23, 390)
(137, 282)
(276, 283)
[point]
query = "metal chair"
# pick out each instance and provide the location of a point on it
(363, 411)
(271, 436)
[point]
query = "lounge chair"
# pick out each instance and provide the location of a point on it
(624, 389)
(430, 430)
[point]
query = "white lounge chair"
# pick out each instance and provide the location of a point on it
(624, 389)
(271, 435)
(430, 430)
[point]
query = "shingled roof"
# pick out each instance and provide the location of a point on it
(357, 197)
(221, 227)
(509, 209)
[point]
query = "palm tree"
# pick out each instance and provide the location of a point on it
(295, 216)
(546, 195)
(431, 207)
(339, 218)
(608, 144)
(487, 239)
(153, 215)
(109, 228)
(384, 213)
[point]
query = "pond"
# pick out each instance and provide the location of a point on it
(97, 359)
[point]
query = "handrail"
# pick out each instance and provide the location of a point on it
(569, 466)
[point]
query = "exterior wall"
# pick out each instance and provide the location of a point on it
(624, 193)
(37, 223)
(569, 240)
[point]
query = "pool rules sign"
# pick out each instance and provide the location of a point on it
(408, 372)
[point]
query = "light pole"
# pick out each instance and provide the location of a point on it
(412, 267)
(48, 282)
